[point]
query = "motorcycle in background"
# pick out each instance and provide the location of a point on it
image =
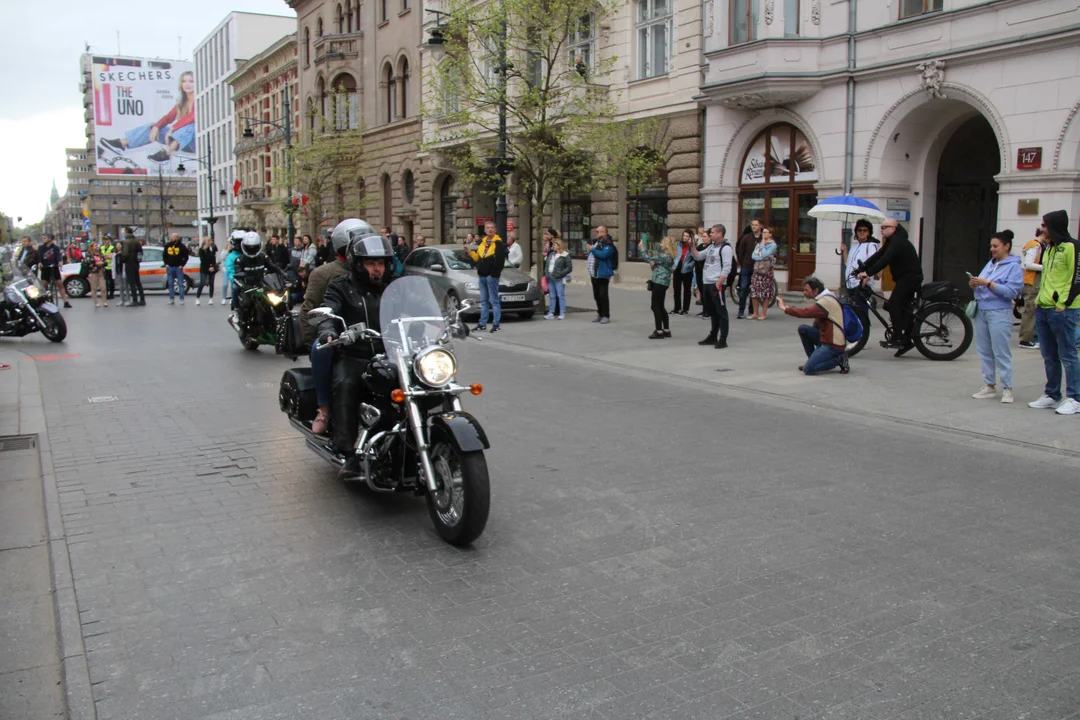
(263, 301)
(414, 435)
(25, 306)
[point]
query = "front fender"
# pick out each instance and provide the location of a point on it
(462, 429)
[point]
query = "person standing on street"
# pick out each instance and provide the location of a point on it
(419, 242)
(823, 342)
(208, 252)
(176, 256)
(1057, 315)
(865, 246)
(96, 263)
(296, 257)
(108, 250)
(683, 276)
(601, 257)
(490, 257)
(276, 252)
(49, 256)
(716, 258)
(763, 280)
(558, 266)
(1031, 259)
(744, 250)
(513, 250)
(901, 257)
(131, 257)
(661, 265)
(999, 283)
(307, 261)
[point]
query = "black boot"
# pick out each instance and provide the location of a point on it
(351, 469)
(707, 341)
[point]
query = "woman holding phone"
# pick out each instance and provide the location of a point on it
(999, 283)
(661, 265)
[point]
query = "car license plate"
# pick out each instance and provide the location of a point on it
(512, 298)
(49, 307)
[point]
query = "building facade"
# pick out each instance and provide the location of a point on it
(259, 90)
(238, 37)
(958, 117)
(655, 48)
(369, 53)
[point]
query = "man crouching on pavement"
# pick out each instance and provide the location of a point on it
(824, 341)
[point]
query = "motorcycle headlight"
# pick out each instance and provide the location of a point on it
(32, 292)
(435, 367)
(274, 298)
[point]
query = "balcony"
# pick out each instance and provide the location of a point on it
(767, 73)
(343, 47)
(253, 196)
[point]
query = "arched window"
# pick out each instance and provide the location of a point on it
(339, 19)
(348, 16)
(346, 103)
(307, 46)
(339, 193)
(390, 92)
(387, 202)
(403, 75)
(408, 186)
(361, 197)
(448, 208)
(320, 94)
(319, 28)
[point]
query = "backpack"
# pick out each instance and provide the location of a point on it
(614, 256)
(733, 274)
(853, 328)
(1074, 291)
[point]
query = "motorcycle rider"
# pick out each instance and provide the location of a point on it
(249, 269)
(355, 298)
(901, 257)
(322, 361)
(50, 258)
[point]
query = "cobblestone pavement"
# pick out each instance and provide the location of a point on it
(657, 548)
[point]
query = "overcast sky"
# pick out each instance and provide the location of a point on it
(41, 112)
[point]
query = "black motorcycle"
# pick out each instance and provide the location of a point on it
(262, 302)
(25, 307)
(414, 435)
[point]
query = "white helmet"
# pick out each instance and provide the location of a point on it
(347, 231)
(236, 238)
(252, 244)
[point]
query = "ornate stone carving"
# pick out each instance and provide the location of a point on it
(770, 8)
(710, 18)
(933, 75)
(815, 12)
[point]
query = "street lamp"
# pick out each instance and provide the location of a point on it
(209, 162)
(436, 44)
(249, 134)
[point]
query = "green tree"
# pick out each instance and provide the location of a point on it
(561, 132)
(324, 162)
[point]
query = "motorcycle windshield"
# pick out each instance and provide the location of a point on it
(410, 316)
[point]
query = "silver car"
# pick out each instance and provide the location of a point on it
(151, 271)
(450, 269)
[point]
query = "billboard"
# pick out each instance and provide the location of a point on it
(144, 115)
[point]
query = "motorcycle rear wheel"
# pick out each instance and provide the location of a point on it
(461, 514)
(55, 327)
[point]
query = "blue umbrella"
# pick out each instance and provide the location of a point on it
(845, 208)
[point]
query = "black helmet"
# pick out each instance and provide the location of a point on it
(252, 244)
(370, 247)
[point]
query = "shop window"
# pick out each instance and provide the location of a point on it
(911, 8)
(448, 206)
(646, 221)
(575, 227)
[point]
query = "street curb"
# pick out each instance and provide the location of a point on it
(74, 671)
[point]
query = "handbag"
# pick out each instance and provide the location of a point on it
(762, 267)
(544, 284)
(971, 309)
(649, 285)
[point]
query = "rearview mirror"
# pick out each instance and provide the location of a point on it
(437, 267)
(320, 311)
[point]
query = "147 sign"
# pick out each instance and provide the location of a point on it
(1029, 158)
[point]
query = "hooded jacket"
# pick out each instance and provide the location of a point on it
(897, 254)
(602, 253)
(1059, 264)
(1008, 278)
(490, 257)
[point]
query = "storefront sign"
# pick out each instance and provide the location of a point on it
(510, 226)
(753, 203)
(481, 221)
(1029, 158)
(900, 215)
(897, 204)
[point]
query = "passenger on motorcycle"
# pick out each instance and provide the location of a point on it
(901, 257)
(355, 298)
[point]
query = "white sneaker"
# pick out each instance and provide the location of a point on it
(562, 317)
(172, 302)
(549, 316)
(196, 302)
(1068, 406)
(181, 302)
(1044, 403)
(223, 302)
(1007, 395)
(985, 392)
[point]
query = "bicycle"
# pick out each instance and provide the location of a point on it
(939, 327)
(733, 292)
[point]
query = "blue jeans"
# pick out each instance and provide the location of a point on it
(745, 274)
(1057, 343)
(489, 299)
(185, 136)
(322, 370)
(175, 275)
(557, 291)
(993, 331)
(819, 357)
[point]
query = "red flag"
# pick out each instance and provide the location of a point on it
(236, 189)
(304, 200)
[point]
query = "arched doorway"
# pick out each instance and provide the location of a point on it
(967, 201)
(448, 212)
(777, 187)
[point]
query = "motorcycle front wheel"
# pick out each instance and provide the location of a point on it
(55, 328)
(459, 509)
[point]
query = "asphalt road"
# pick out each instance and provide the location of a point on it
(657, 548)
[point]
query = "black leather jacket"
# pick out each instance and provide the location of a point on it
(251, 269)
(355, 303)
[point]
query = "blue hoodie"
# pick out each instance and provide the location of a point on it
(1008, 277)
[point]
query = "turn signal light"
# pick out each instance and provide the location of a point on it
(476, 388)
(398, 396)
